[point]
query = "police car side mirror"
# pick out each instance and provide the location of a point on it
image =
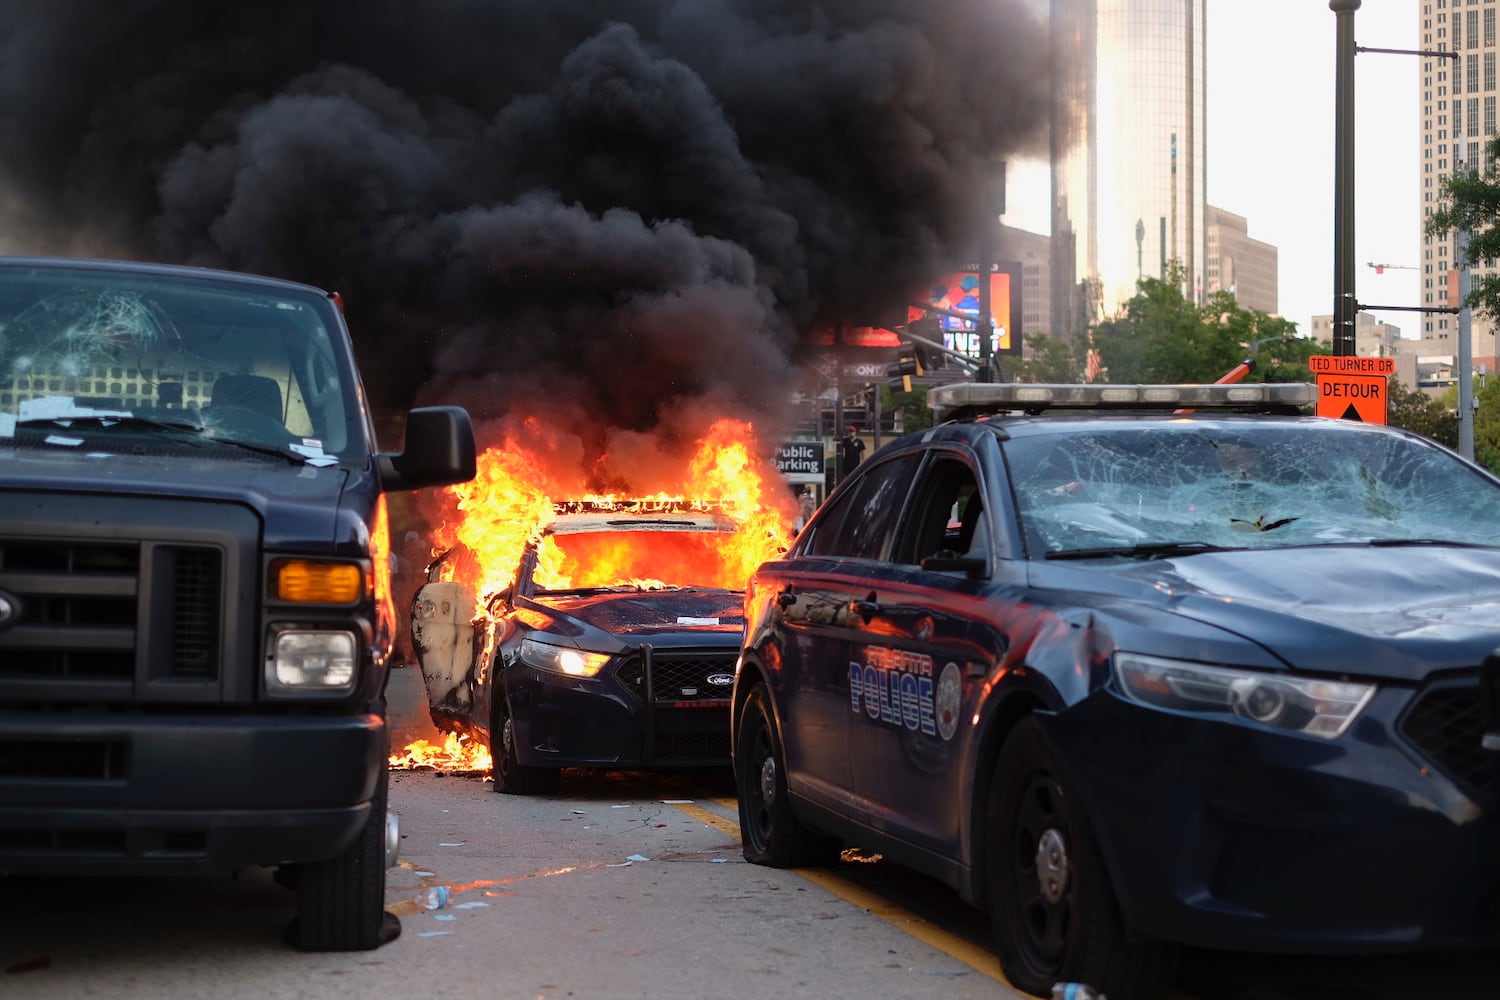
(951, 562)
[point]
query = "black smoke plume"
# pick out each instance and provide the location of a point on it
(628, 214)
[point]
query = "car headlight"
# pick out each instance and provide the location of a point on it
(1302, 704)
(562, 659)
(305, 661)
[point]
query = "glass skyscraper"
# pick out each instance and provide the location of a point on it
(1128, 156)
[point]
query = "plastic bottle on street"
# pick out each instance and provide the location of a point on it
(433, 897)
(1076, 991)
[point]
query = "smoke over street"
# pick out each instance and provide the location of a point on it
(626, 216)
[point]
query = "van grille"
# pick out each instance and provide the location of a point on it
(81, 602)
(120, 600)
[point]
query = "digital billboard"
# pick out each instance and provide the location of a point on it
(959, 292)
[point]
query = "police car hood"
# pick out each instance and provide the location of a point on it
(1390, 612)
(697, 615)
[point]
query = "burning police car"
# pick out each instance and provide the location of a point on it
(602, 652)
(1137, 680)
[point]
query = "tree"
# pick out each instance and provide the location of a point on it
(1469, 201)
(1413, 410)
(1162, 337)
(1051, 360)
(912, 406)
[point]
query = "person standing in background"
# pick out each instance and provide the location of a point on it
(851, 450)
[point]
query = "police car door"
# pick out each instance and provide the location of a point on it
(914, 669)
(819, 590)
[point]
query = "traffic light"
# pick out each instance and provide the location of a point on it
(912, 360)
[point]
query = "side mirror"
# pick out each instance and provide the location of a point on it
(951, 562)
(439, 450)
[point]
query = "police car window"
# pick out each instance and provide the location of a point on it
(945, 513)
(1244, 484)
(863, 518)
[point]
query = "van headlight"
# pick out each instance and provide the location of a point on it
(301, 661)
(1302, 704)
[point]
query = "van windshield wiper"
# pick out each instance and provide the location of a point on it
(110, 420)
(193, 429)
(1144, 550)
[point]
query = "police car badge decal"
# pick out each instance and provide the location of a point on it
(949, 695)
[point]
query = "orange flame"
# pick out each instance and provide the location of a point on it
(525, 478)
(516, 488)
(459, 752)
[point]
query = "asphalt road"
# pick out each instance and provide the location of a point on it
(622, 886)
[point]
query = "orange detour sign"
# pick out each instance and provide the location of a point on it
(1351, 388)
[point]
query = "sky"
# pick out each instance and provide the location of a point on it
(1271, 145)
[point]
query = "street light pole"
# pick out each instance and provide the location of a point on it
(1344, 306)
(994, 207)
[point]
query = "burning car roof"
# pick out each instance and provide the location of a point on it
(567, 524)
(578, 516)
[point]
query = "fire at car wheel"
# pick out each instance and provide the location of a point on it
(771, 835)
(341, 902)
(1053, 910)
(509, 776)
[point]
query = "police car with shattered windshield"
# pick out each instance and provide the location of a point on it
(1130, 680)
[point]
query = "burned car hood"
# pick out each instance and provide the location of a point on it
(709, 615)
(1397, 612)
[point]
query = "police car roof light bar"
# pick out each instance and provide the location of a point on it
(1034, 397)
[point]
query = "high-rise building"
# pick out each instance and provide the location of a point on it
(1128, 156)
(1238, 264)
(1458, 119)
(1032, 252)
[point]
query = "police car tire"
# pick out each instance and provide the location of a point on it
(1094, 948)
(341, 902)
(770, 834)
(509, 777)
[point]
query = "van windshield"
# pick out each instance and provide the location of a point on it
(90, 357)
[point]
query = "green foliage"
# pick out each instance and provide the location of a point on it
(915, 414)
(1469, 201)
(1162, 337)
(1050, 360)
(1413, 410)
(1486, 423)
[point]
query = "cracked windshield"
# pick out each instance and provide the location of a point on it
(1263, 487)
(96, 363)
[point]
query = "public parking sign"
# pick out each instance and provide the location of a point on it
(1351, 388)
(800, 461)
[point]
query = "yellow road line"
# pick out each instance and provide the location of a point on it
(979, 959)
(976, 958)
(713, 819)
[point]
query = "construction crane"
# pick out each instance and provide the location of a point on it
(1382, 268)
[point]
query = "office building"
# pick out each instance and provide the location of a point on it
(1458, 119)
(1238, 264)
(1128, 156)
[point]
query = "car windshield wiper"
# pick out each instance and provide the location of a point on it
(1144, 550)
(1398, 542)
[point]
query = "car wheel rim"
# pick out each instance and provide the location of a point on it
(1044, 877)
(762, 790)
(1052, 865)
(507, 748)
(768, 781)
